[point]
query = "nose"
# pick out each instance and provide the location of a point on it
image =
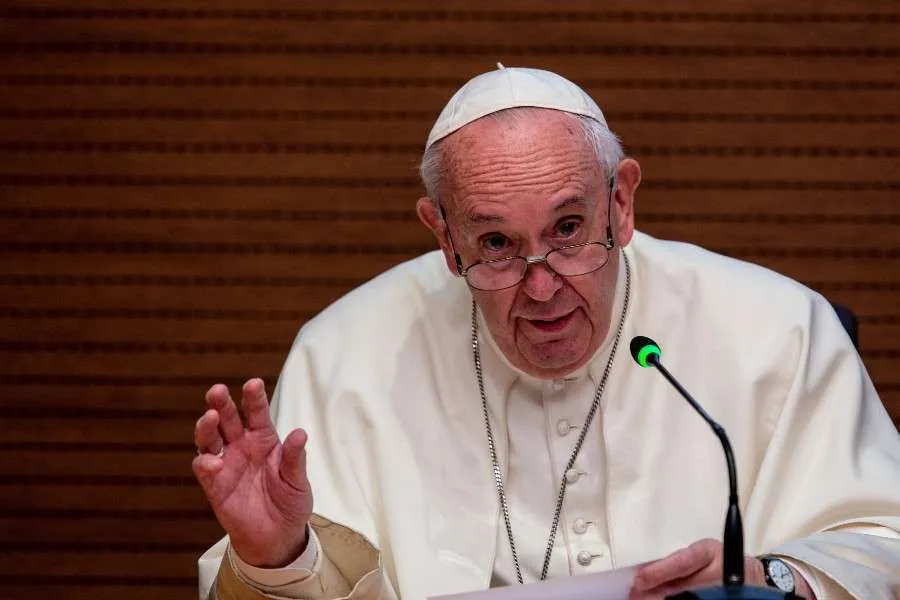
(541, 283)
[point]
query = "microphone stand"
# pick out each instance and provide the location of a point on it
(733, 539)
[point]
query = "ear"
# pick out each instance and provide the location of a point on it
(432, 218)
(627, 181)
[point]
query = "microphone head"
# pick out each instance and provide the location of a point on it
(645, 351)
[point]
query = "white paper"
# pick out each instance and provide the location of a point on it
(609, 585)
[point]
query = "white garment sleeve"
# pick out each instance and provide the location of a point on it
(275, 580)
(823, 587)
(346, 566)
(828, 492)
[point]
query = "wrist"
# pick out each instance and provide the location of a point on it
(273, 558)
(755, 573)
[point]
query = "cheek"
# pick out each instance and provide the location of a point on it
(596, 293)
(497, 306)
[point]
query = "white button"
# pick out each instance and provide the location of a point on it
(584, 558)
(558, 384)
(579, 525)
(572, 476)
(563, 427)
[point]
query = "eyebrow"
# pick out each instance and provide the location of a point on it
(477, 218)
(570, 202)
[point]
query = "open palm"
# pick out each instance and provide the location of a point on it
(257, 487)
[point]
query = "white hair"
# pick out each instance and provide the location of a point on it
(605, 144)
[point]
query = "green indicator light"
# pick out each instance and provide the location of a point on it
(645, 353)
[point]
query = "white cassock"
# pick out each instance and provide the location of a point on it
(384, 383)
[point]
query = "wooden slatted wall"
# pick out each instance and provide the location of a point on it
(185, 182)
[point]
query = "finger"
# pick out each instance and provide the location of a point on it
(678, 565)
(219, 399)
(293, 460)
(679, 585)
(206, 433)
(256, 406)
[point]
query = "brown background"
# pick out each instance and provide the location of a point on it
(185, 182)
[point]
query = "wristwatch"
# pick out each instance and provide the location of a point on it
(778, 574)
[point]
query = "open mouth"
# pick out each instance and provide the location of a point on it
(551, 325)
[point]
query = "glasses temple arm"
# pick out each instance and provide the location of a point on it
(612, 190)
(456, 257)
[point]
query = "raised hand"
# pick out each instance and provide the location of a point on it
(255, 483)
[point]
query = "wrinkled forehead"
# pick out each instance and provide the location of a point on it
(516, 135)
(518, 138)
(525, 154)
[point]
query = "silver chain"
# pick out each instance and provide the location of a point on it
(495, 464)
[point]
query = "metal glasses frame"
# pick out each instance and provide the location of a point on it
(609, 244)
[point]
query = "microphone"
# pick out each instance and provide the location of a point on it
(647, 353)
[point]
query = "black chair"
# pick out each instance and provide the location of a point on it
(849, 321)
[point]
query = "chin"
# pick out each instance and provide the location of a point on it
(551, 362)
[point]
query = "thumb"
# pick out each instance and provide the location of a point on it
(293, 461)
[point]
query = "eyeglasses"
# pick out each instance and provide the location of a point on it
(567, 261)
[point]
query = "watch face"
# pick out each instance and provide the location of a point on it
(781, 575)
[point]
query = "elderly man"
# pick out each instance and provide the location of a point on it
(471, 418)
